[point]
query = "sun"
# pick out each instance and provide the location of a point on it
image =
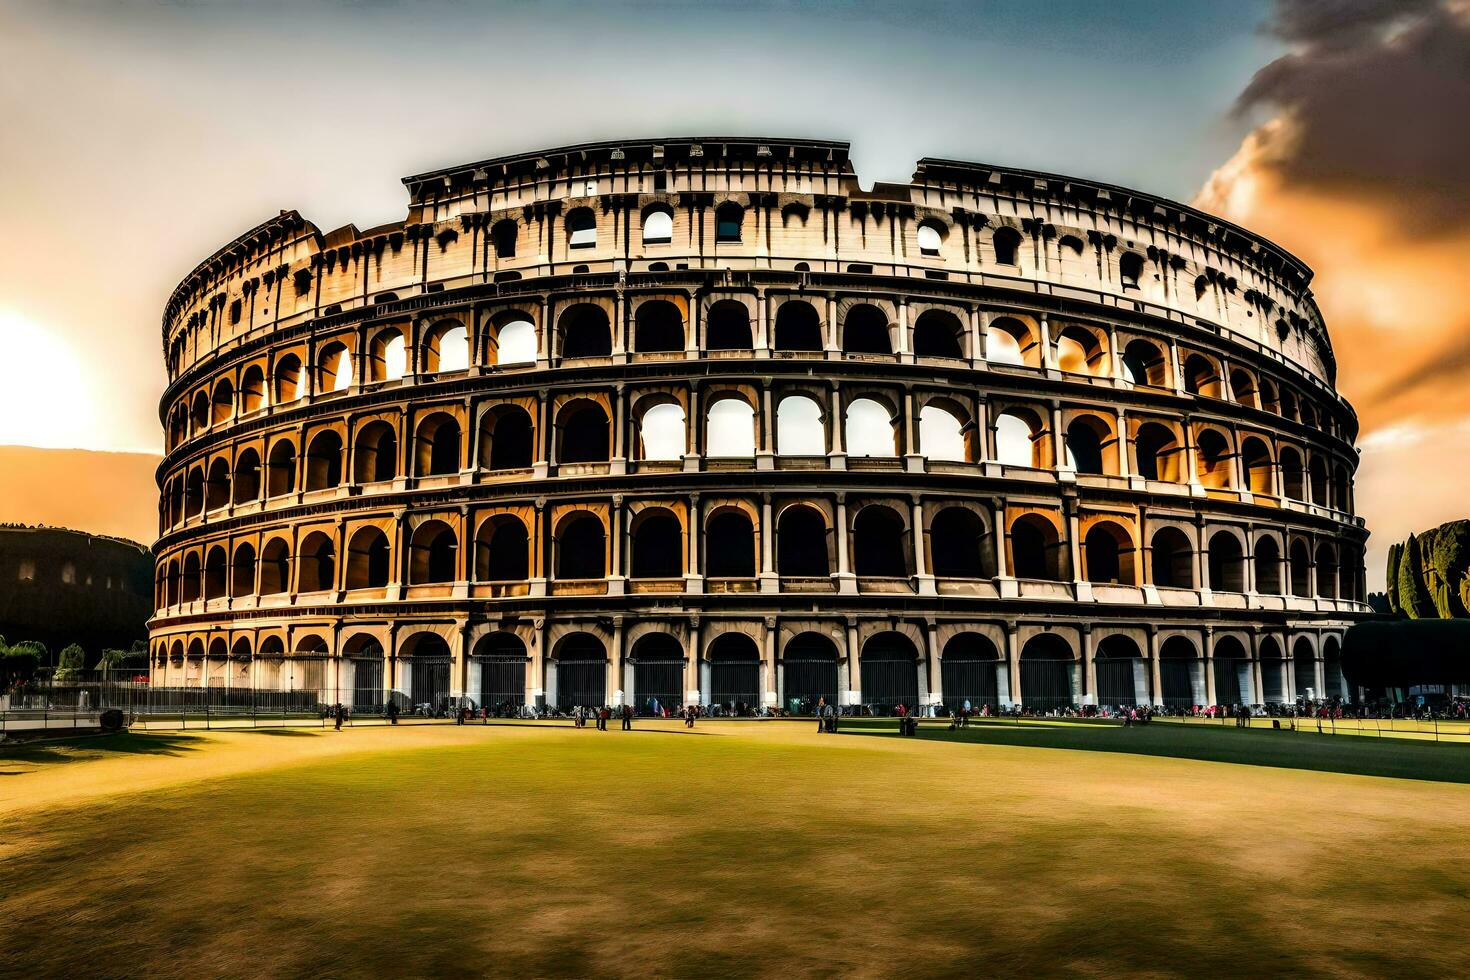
(46, 397)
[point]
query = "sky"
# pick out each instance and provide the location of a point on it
(136, 137)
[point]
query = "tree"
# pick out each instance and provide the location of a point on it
(1448, 557)
(1395, 555)
(1413, 597)
(71, 662)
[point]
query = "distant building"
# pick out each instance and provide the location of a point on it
(61, 587)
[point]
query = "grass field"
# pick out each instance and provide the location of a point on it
(742, 848)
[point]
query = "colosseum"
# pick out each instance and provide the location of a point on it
(705, 421)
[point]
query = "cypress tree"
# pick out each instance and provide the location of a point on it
(1395, 552)
(1412, 595)
(1450, 556)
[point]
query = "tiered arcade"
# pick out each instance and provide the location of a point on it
(703, 420)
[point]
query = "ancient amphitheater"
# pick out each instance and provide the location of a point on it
(704, 420)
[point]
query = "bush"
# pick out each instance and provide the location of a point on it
(1413, 597)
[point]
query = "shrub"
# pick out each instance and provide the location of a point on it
(1413, 597)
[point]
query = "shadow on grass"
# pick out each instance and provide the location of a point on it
(1278, 749)
(35, 756)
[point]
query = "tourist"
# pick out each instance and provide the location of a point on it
(392, 712)
(821, 714)
(627, 717)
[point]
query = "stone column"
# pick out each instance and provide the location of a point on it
(837, 457)
(770, 676)
(922, 578)
(616, 582)
(1013, 661)
(770, 579)
(693, 574)
(846, 580)
(1089, 666)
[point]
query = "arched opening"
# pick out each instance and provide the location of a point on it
(501, 657)
(223, 402)
(581, 228)
(1158, 452)
(865, 331)
(1107, 552)
(1317, 474)
(1255, 459)
(1018, 439)
(178, 426)
(503, 235)
(735, 669)
(799, 428)
(657, 545)
(287, 379)
(428, 663)
(1171, 559)
(324, 461)
(252, 389)
(969, 672)
(658, 225)
(375, 453)
(242, 571)
(1087, 438)
(730, 545)
(1243, 387)
(809, 672)
(1226, 563)
(929, 236)
(1009, 341)
(1130, 269)
(516, 342)
(798, 328)
(1268, 566)
(581, 672)
(1048, 673)
(281, 469)
(436, 445)
(1181, 674)
(1007, 245)
(275, 567)
(506, 439)
(1301, 568)
(216, 573)
(658, 673)
(880, 543)
(939, 333)
(502, 550)
(1304, 669)
(869, 429)
(1214, 460)
(1145, 363)
(942, 435)
(369, 563)
(433, 551)
(194, 492)
(1035, 548)
(1122, 672)
(958, 546)
(247, 476)
(581, 548)
(730, 429)
(1326, 571)
(1334, 685)
(658, 328)
(1200, 376)
(1273, 671)
(801, 543)
(1233, 683)
(584, 332)
(387, 356)
(317, 564)
(582, 432)
(199, 414)
(1292, 472)
(1340, 484)
(1081, 351)
(727, 326)
(333, 368)
(445, 348)
(890, 673)
(728, 219)
(217, 487)
(661, 435)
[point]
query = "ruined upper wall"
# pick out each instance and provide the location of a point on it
(802, 207)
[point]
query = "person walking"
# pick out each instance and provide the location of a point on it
(689, 716)
(392, 712)
(822, 714)
(627, 717)
(337, 716)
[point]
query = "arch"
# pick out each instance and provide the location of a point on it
(657, 542)
(957, 544)
(1226, 563)
(1334, 685)
(1301, 568)
(199, 415)
(333, 367)
(1158, 452)
(1340, 485)
(583, 331)
(316, 567)
(445, 348)
(1090, 445)
(1081, 351)
(1317, 478)
(1010, 341)
(501, 657)
(1268, 565)
(436, 445)
(503, 235)
(1304, 668)
(1130, 269)
(799, 427)
(658, 225)
(890, 672)
(1214, 460)
(216, 573)
(942, 434)
(582, 432)
(658, 672)
(1243, 388)
(730, 429)
(1293, 484)
(369, 559)
(433, 550)
(178, 426)
(223, 402)
(730, 544)
(240, 649)
(865, 331)
(1256, 465)
(324, 460)
(243, 570)
(428, 662)
(929, 236)
(1107, 554)
(1048, 673)
(809, 671)
(870, 430)
(729, 217)
(801, 543)
(581, 672)
(275, 567)
(1121, 670)
(1007, 245)
(727, 326)
(252, 389)
(1233, 682)
(658, 327)
(1181, 673)
(581, 228)
(735, 669)
(194, 492)
(387, 356)
(502, 550)
(281, 469)
(661, 432)
(969, 671)
(939, 333)
(580, 546)
(1145, 363)
(880, 543)
(287, 379)
(375, 453)
(1326, 562)
(1018, 434)
(1035, 548)
(217, 487)
(1201, 377)
(1171, 559)
(507, 439)
(246, 481)
(1273, 671)
(798, 328)
(516, 342)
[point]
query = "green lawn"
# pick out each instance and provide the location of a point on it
(740, 849)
